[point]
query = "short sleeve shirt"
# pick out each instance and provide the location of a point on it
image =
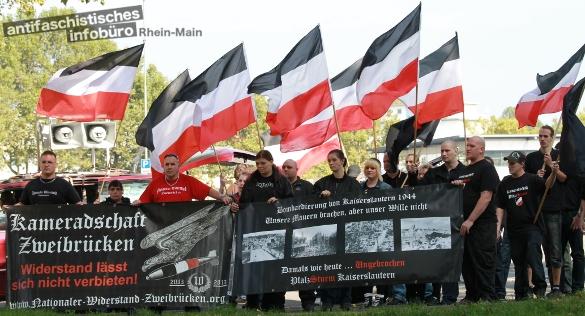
(186, 188)
(478, 177)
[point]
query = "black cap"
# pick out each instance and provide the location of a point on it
(516, 156)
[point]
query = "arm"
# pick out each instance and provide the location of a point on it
(500, 216)
(220, 197)
(577, 223)
(482, 203)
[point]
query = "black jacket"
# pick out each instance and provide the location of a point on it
(108, 201)
(440, 174)
(252, 193)
(337, 187)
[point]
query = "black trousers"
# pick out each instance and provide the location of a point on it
(479, 262)
(307, 297)
(525, 251)
(269, 301)
(334, 296)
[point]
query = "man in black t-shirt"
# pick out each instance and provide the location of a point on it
(479, 180)
(518, 197)
(448, 171)
(48, 188)
(542, 163)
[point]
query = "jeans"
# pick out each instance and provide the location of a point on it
(552, 246)
(575, 239)
(399, 292)
(503, 265)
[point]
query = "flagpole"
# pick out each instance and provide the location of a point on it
(415, 120)
(374, 132)
(218, 162)
(259, 137)
(464, 132)
(145, 72)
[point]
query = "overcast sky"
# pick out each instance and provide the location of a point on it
(503, 44)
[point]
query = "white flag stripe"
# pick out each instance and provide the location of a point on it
(568, 80)
(345, 97)
(303, 78)
(401, 55)
(227, 92)
(119, 79)
(449, 76)
(171, 128)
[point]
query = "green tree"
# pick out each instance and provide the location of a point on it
(506, 124)
(27, 6)
(27, 62)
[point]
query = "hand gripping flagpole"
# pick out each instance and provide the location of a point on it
(549, 182)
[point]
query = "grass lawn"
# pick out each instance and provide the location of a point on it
(568, 305)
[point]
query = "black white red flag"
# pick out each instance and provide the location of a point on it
(298, 87)
(98, 88)
(440, 91)
(550, 91)
(389, 68)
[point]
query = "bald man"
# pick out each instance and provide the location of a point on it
(480, 181)
(300, 188)
(448, 171)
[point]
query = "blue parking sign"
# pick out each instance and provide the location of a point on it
(145, 163)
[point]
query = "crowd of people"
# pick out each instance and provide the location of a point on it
(502, 221)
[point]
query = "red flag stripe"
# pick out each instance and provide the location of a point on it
(534, 103)
(174, 125)
(83, 108)
(185, 146)
(305, 158)
(440, 104)
(527, 112)
(294, 112)
(224, 124)
(376, 103)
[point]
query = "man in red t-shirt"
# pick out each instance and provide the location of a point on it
(175, 187)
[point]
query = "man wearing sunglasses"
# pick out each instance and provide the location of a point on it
(48, 188)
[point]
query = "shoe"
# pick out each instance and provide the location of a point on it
(308, 307)
(394, 301)
(539, 293)
(346, 306)
(554, 294)
(466, 301)
(432, 301)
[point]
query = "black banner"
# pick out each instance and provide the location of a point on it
(80, 257)
(388, 237)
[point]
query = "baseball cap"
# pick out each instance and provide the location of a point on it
(516, 156)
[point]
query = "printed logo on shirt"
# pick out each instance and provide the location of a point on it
(171, 190)
(466, 178)
(264, 185)
(516, 193)
(519, 201)
(44, 193)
